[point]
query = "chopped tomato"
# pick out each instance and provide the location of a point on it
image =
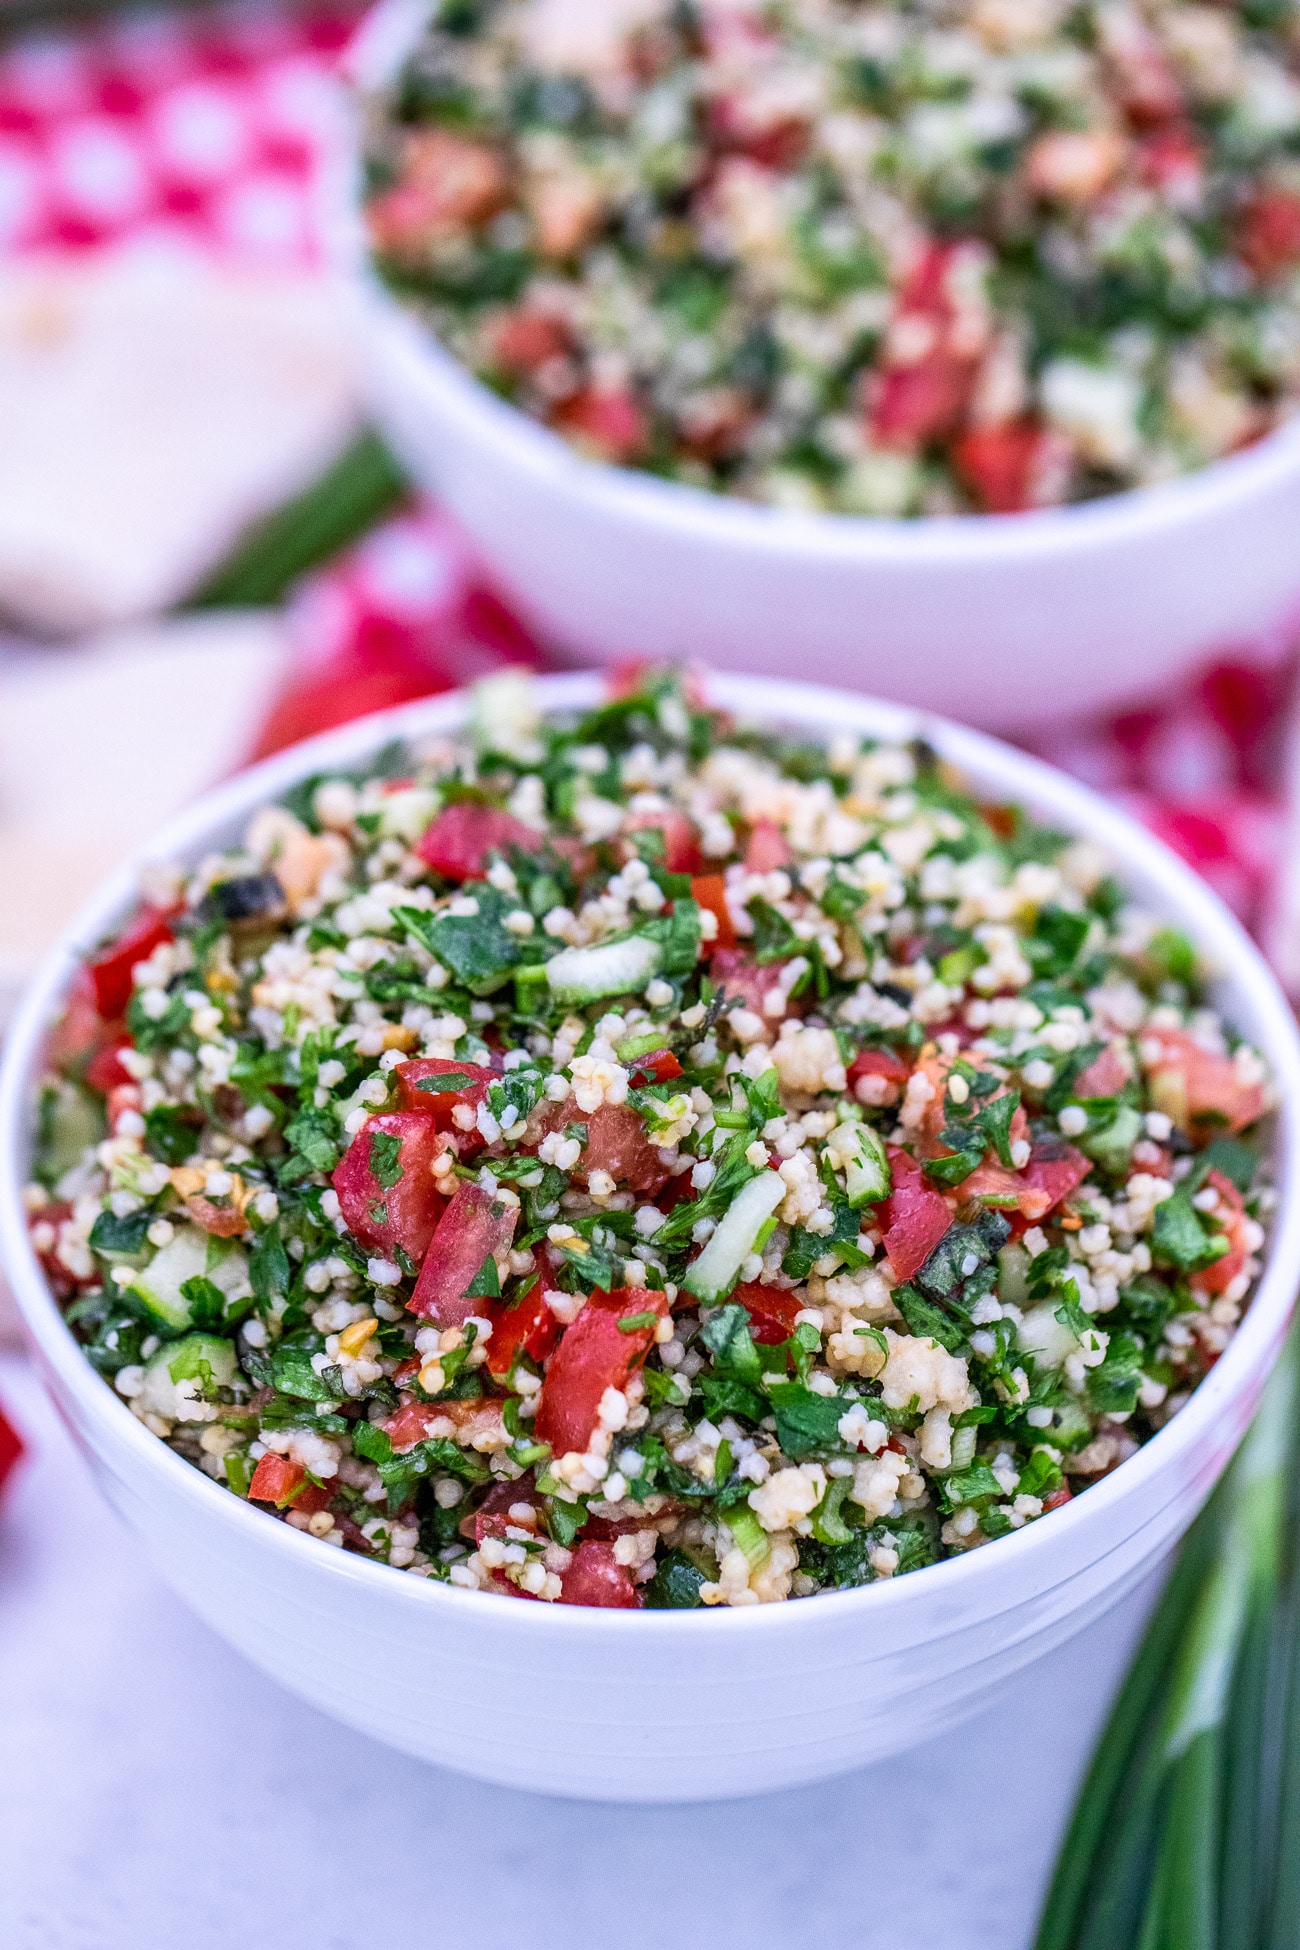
(111, 971)
(768, 848)
(911, 405)
(913, 400)
(1106, 1075)
(313, 1497)
(1054, 1170)
(771, 1311)
(657, 1066)
(11, 1446)
(594, 1354)
(448, 184)
(1172, 160)
(595, 1577)
(386, 1189)
(106, 1071)
(528, 1327)
(1232, 1216)
(681, 841)
(1012, 467)
(474, 1421)
(1194, 1085)
(521, 341)
(605, 421)
(1140, 69)
(709, 890)
(616, 1142)
(417, 1090)
(745, 124)
(458, 842)
(742, 979)
(914, 1218)
(275, 1480)
(123, 1096)
(493, 1516)
(1269, 239)
(878, 1076)
(1059, 1498)
(474, 1228)
(81, 1029)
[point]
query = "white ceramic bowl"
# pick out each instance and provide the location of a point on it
(661, 1705)
(1004, 621)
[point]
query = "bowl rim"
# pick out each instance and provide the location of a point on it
(700, 516)
(775, 701)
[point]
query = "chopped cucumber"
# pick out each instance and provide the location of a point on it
(579, 975)
(201, 1358)
(711, 1277)
(186, 1257)
(70, 1121)
(1048, 1339)
(1111, 1148)
(867, 1177)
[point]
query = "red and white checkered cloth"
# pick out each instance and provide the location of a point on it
(205, 131)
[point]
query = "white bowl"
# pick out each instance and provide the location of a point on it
(1008, 621)
(662, 1705)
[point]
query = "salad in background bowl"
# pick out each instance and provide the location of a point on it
(905, 1184)
(721, 272)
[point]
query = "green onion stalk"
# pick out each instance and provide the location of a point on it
(1186, 1834)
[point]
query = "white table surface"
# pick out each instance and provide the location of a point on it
(157, 1793)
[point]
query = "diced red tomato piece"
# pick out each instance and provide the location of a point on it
(412, 1420)
(474, 1227)
(596, 1577)
(1059, 1498)
(768, 848)
(11, 1447)
(1269, 239)
(313, 1497)
(605, 421)
(1054, 1171)
(742, 979)
(111, 971)
(1140, 68)
(657, 1066)
(458, 842)
(594, 1354)
(448, 184)
(882, 1075)
(389, 1197)
(414, 1078)
(616, 1142)
(123, 1096)
(912, 405)
(1106, 1075)
(710, 890)
(1012, 467)
(106, 1071)
(1194, 1085)
(681, 840)
(1232, 1215)
(522, 341)
(914, 1218)
(771, 1311)
(528, 1327)
(1173, 160)
(275, 1479)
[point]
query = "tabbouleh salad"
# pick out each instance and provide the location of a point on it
(900, 258)
(638, 1159)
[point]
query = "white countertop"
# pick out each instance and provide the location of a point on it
(157, 1793)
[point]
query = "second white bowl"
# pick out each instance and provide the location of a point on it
(1007, 621)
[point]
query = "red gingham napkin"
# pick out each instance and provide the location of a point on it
(206, 131)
